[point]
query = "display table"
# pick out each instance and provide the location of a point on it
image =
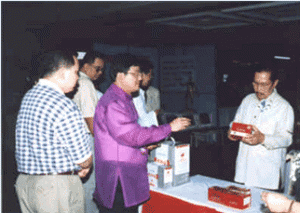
(192, 197)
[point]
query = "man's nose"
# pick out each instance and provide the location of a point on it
(260, 88)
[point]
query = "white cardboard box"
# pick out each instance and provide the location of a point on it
(159, 175)
(177, 156)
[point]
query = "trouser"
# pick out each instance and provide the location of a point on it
(118, 206)
(50, 193)
(89, 185)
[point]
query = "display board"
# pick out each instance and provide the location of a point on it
(176, 72)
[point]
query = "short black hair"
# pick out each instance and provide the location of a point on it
(145, 65)
(48, 62)
(273, 73)
(90, 57)
(121, 64)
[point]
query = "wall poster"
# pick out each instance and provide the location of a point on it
(176, 72)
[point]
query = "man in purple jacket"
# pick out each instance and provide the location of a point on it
(121, 143)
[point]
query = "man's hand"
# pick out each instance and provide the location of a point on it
(229, 136)
(151, 147)
(276, 202)
(83, 172)
(179, 124)
(85, 167)
(257, 137)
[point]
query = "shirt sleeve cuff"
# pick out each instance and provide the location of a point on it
(84, 158)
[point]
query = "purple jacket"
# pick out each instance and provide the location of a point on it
(118, 139)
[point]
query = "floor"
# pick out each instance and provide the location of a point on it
(212, 160)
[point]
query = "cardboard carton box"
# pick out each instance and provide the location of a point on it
(176, 155)
(159, 175)
(240, 130)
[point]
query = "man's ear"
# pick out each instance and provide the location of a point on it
(120, 76)
(275, 83)
(85, 67)
(59, 75)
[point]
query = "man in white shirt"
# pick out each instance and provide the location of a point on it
(86, 98)
(261, 156)
(151, 94)
(147, 117)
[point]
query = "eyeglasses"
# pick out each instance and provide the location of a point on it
(97, 68)
(136, 75)
(263, 85)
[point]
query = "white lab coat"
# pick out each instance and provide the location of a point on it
(262, 165)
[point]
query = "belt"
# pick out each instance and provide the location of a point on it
(63, 173)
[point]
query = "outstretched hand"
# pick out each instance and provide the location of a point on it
(179, 124)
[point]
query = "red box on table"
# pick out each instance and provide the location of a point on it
(232, 196)
(240, 130)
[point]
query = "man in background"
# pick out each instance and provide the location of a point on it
(261, 155)
(52, 145)
(146, 118)
(151, 94)
(86, 98)
(121, 164)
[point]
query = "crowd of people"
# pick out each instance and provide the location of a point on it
(58, 139)
(89, 153)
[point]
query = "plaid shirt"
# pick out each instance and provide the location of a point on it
(50, 133)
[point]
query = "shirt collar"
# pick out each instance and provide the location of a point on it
(269, 100)
(48, 83)
(142, 92)
(82, 74)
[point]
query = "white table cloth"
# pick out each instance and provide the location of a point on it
(196, 191)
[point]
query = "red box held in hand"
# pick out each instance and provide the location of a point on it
(239, 130)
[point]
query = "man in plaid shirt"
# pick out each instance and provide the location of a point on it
(52, 144)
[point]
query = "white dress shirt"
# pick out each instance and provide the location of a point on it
(86, 97)
(260, 165)
(145, 119)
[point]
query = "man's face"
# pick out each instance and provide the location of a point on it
(94, 70)
(263, 86)
(70, 77)
(131, 80)
(146, 79)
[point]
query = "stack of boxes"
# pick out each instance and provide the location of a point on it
(169, 164)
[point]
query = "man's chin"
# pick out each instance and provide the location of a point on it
(144, 87)
(260, 96)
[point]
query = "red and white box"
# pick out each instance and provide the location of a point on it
(231, 196)
(240, 130)
(159, 176)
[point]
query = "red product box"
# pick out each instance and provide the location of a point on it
(232, 196)
(239, 130)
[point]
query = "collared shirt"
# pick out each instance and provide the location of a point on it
(118, 139)
(260, 165)
(146, 119)
(86, 97)
(50, 133)
(153, 99)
